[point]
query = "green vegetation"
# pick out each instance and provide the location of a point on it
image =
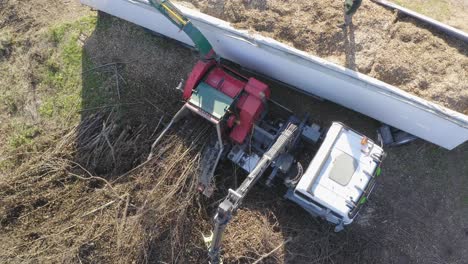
(45, 99)
(9, 101)
(24, 135)
(61, 75)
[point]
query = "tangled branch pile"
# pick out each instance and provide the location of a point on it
(55, 209)
(88, 196)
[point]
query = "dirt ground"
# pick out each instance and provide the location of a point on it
(74, 190)
(390, 47)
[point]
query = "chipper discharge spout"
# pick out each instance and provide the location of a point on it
(227, 99)
(184, 24)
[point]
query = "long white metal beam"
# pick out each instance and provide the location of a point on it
(311, 74)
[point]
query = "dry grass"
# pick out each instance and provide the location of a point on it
(77, 199)
(56, 210)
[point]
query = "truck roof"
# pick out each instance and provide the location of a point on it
(340, 171)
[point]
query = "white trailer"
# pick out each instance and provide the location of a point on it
(312, 75)
(340, 177)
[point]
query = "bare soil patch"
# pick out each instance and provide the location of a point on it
(395, 49)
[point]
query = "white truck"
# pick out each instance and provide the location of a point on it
(340, 177)
(334, 186)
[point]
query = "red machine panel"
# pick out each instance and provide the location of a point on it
(257, 89)
(198, 72)
(250, 104)
(225, 82)
(250, 109)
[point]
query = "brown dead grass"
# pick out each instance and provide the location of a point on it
(24, 15)
(55, 210)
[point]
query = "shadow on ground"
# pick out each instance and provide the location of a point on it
(129, 78)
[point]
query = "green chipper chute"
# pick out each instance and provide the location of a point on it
(184, 24)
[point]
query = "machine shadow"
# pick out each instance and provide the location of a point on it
(305, 239)
(128, 80)
(128, 91)
(350, 47)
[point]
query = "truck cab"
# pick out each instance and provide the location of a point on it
(340, 177)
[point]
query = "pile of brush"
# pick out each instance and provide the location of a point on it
(54, 208)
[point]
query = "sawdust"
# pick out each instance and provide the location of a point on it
(393, 48)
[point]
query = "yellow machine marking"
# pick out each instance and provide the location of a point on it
(174, 14)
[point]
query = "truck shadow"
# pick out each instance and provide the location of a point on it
(304, 239)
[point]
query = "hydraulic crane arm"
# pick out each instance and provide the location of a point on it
(184, 24)
(234, 199)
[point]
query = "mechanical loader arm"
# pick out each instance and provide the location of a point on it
(235, 197)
